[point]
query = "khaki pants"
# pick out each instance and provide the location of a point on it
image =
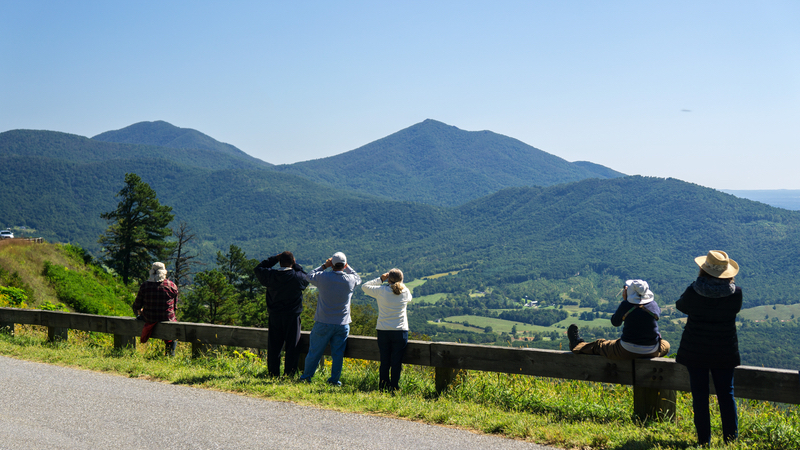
(614, 350)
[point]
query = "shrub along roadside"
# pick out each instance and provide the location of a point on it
(568, 414)
(85, 294)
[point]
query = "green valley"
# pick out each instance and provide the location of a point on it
(567, 245)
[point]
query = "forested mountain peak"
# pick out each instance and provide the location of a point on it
(636, 227)
(54, 145)
(435, 163)
(163, 134)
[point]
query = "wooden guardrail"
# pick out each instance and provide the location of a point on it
(654, 381)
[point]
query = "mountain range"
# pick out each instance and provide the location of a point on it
(439, 164)
(430, 199)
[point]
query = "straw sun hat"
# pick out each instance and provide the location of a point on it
(717, 264)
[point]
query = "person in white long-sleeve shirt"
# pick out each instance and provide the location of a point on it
(392, 325)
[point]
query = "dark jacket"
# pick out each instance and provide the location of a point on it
(709, 338)
(641, 326)
(284, 287)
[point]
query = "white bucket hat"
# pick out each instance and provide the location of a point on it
(158, 272)
(639, 292)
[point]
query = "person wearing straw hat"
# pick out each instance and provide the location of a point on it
(155, 302)
(640, 338)
(709, 343)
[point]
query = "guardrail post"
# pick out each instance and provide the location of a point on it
(649, 403)
(199, 349)
(444, 376)
(121, 341)
(57, 334)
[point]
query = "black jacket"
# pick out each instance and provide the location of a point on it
(284, 287)
(709, 338)
(641, 326)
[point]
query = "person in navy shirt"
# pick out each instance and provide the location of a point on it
(640, 336)
(285, 287)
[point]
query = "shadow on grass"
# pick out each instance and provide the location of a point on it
(646, 444)
(201, 379)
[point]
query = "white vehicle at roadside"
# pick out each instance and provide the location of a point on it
(6, 234)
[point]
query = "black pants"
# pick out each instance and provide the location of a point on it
(392, 345)
(284, 328)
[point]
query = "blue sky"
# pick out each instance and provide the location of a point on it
(707, 92)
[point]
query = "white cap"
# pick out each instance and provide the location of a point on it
(338, 258)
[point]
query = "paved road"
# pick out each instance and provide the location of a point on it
(51, 407)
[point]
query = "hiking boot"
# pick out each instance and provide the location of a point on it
(573, 336)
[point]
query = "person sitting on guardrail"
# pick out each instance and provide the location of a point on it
(640, 338)
(709, 342)
(285, 287)
(155, 303)
(332, 318)
(392, 325)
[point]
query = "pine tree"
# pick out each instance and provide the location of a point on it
(238, 270)
(213, 300)
(136, 236)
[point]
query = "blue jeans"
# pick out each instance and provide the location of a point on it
(321, 335)
(723, 384)
(392, 345)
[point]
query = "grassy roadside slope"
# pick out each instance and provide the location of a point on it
(27, 260)
(55, 276)
(567, 414)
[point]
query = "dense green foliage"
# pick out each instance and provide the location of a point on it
(438, 164)
(90, 293)
(12, 280)
(12, 297)
(228, 294)
(163, 134)
(137, 232)
(212, 300)
(544, 317)
(57, 146)
(770, 344)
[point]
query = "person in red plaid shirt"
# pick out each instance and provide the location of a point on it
(155, 303)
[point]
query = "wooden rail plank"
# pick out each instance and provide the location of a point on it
(56, 319)
(362, 347)
(661, 373)
(124, 326)
(170, 331)
(418, 353)
(220, 334)
(22, 316)
(762, 383)
(528, 361)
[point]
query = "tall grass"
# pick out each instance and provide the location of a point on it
(569, 414)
